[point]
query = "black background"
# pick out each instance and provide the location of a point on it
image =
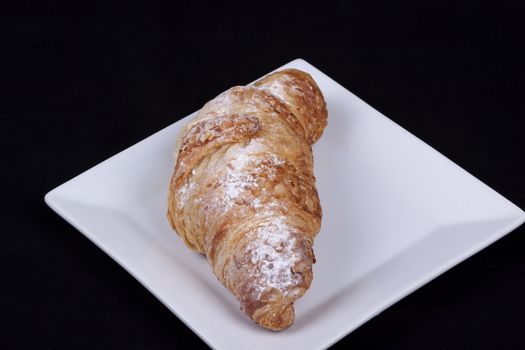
(79, 83)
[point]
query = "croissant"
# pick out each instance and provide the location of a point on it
(243, 191)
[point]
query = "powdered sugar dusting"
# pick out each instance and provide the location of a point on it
(185, 192)
(273, 254)
(276, 88)
(237, 181)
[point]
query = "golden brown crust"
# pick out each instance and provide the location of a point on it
(243, 191)
(302, 95)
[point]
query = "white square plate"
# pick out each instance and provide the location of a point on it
(396, 214)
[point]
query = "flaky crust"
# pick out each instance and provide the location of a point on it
(243, 191)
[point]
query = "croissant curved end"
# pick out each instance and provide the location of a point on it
(275, 317)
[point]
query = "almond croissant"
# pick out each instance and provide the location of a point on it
(243, 191)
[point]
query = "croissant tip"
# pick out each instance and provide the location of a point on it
(277, 320)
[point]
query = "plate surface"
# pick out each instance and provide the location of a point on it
(396, 214)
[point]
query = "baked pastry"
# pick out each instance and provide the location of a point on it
(243, 191)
